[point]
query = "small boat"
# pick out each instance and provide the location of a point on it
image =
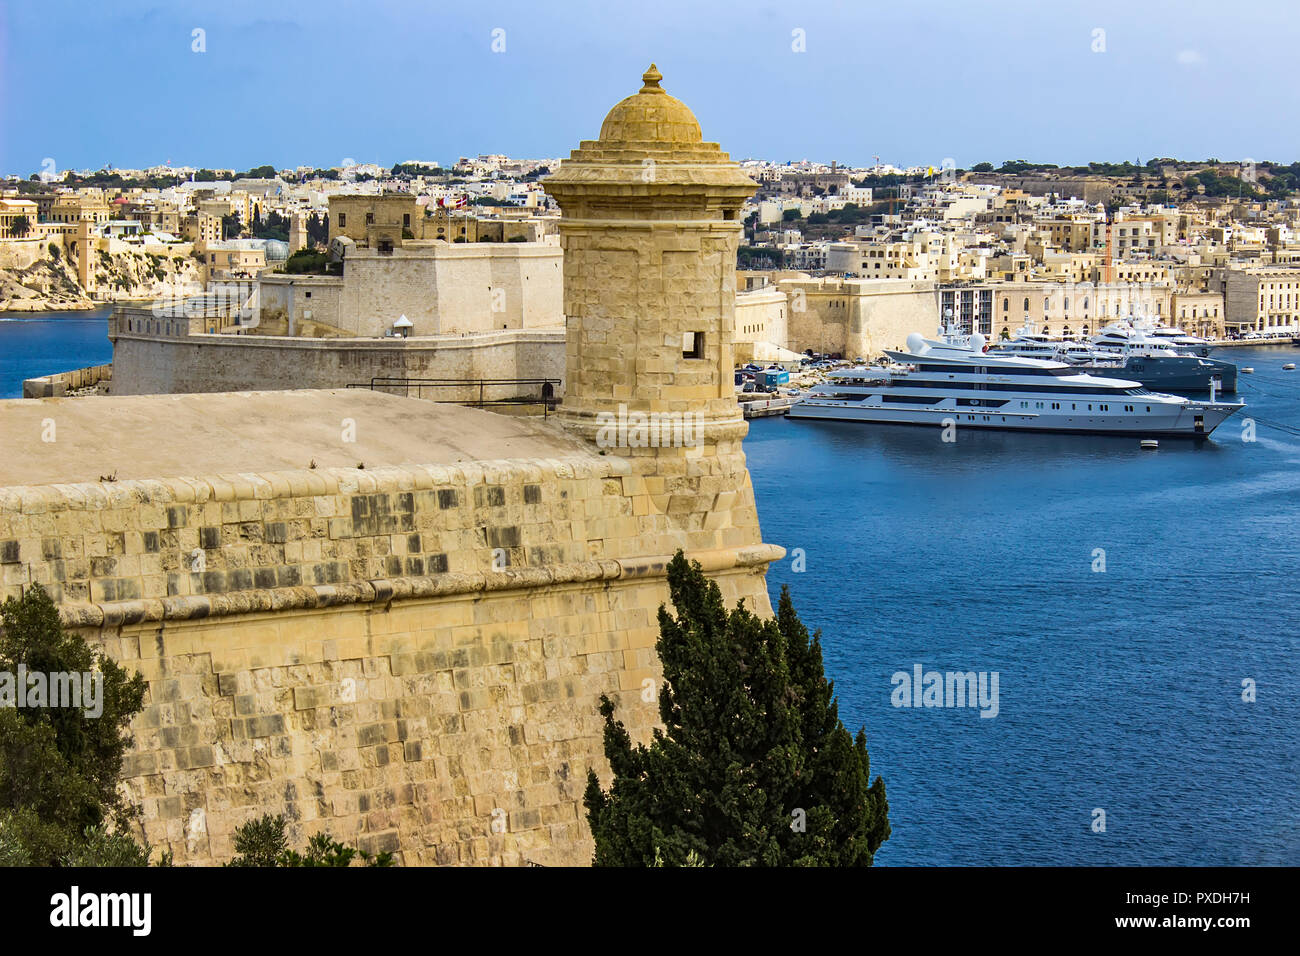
(1150, 443)
(1248, 370)
(1289, 367)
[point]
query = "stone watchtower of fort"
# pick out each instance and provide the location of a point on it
(650, 228)
(392, 620)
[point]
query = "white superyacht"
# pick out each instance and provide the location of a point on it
(955, 381)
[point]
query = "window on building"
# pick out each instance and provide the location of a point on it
(343, 219)
(692, 345)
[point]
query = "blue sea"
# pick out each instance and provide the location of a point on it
(33, 344)
(1120, 690)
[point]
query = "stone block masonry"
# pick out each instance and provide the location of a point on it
(453, 729)
(409, 657)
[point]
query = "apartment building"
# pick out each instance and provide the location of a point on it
(1262, 298)
(1069, 308)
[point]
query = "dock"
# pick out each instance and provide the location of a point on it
(767, 407)
(1285, 339)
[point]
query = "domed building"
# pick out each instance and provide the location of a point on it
(276, 250)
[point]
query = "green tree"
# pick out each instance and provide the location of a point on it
(59, 766)
(318, 230)
(409, 170)
(271, 226)
(103, 848)
(231, 226)
(20, 227)
(262, 842)
(753, 766)
(307, 261)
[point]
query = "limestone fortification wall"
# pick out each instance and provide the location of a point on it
(448, 287)
(410, 658)
(50, 386)
(761, 316)
(858, 318)
(305, 298)
(147, 363)
(21, 253)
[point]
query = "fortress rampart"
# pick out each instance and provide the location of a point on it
(172, 355)
(409, 656)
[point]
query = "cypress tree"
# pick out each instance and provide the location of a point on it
(60, 766)
(753, 766)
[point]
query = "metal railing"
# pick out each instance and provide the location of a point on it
(476, 387)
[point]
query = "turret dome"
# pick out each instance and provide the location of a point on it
(651, 116)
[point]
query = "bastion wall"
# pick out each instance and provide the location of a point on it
(410, 658)
(148, 363)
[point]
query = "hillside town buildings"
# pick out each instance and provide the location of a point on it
(835, 259)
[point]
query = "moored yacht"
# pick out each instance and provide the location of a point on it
(1175, 337)
(954, 381)
(1157, 362)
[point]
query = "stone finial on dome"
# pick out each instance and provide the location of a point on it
(651, 78)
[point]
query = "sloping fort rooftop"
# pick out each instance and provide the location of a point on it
(168, 436)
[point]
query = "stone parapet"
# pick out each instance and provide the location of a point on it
(150, 549)
(382, 591)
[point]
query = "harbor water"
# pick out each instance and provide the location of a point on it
(1127, 599)
(43, 343)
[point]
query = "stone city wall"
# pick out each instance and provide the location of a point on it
(761, 316)
(52, 386)
(147, 363)
(442, 287)
(858, 317)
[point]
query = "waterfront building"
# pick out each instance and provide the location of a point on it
(1063, 308)
(1262, 298)
(231, 258)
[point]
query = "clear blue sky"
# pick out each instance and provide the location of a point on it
(287, 83)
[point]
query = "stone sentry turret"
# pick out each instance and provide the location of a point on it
(650, 228)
